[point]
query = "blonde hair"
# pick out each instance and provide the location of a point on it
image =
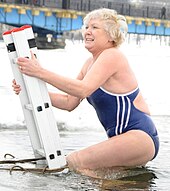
(115, 25)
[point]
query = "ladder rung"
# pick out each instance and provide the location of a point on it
(40, 152)
(29, 106)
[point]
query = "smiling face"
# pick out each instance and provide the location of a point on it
(95, 36)
(103, 28)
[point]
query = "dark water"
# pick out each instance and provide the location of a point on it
(155, 176)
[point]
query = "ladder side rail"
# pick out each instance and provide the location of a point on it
(55, 138)
(34, 93)
(24, 100)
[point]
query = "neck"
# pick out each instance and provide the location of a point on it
(97, 52)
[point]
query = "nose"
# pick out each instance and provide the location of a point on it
(88, 30)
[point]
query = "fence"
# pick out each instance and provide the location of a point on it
(146, 9)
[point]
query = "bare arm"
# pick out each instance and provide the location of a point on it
(59, 100)
(65, 101)
(101, 70)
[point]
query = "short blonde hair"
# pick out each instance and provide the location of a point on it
(115, 25)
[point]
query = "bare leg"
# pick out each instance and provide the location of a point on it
(133, 148)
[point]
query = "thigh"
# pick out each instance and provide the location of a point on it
(132, 148)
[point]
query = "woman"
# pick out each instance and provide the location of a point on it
(110, 86)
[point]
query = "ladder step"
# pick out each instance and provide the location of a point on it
(35, 100)
(29, 107)
(40, 152)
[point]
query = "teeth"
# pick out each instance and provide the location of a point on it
(89, 39)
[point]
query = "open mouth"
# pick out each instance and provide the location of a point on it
(89, 39)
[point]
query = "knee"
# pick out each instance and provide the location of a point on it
(73, 161)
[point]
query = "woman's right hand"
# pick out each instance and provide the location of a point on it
(16, 87)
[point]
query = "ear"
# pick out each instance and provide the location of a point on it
(109, 38)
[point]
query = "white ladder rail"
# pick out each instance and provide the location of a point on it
(24, 100)
(39, 104)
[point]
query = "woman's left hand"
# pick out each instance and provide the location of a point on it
(29, 66)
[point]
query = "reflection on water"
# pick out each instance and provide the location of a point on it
(17, 143)
(130, 179)
(134, 181)
(140, 178)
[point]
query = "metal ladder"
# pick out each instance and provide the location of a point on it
(35, 100)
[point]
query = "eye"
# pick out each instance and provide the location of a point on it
(95, 27)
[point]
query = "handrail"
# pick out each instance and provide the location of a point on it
(145, 8)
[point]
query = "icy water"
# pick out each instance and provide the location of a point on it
(80, 128)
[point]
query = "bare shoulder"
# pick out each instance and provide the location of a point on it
(113, 54)
(113, 57)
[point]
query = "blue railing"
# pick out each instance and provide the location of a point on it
(145, 8)
(57, 16)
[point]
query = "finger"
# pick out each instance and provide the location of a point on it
(17, 89)
(14, 81)
(33, 56)
(20, 67)
(16, 86)
(22, 59)
(17, 92)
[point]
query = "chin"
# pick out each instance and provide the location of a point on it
(86, 45)
(88, 48)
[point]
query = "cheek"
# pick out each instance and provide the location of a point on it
(104, 35)
(104, 38)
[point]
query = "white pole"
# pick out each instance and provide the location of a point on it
(38, 102)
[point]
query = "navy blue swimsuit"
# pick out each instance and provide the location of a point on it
(118, 114)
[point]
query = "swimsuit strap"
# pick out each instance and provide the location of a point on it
(133, 95)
